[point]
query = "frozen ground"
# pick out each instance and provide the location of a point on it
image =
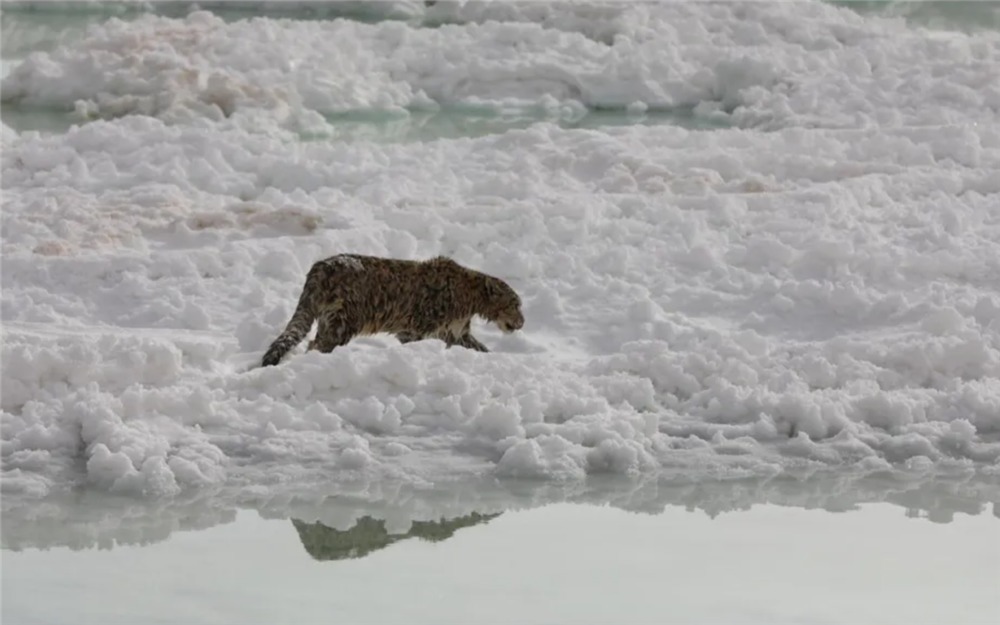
(814, 287)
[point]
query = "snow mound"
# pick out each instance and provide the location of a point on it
(712, 303)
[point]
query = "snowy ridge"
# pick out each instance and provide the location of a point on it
(754, 64)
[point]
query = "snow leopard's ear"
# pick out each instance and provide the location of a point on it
(499, 291)
(491, 288)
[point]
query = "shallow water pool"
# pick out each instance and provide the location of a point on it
(560, 563)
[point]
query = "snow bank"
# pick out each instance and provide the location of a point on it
(722, 304)
(754, 64)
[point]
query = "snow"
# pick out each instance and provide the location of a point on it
(813, 288)
(758, 64)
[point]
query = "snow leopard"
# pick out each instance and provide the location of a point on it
(351, 295)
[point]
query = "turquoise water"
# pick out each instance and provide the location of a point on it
(454, 122)
(446, 123)
(964, 15)
(73, 17)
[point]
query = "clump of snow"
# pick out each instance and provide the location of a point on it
(7, 134)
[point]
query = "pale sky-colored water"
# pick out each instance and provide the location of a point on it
(558, 564)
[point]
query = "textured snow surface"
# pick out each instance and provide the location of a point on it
(814, 288)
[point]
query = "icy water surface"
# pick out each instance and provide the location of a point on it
(928, 554)
(750, 552)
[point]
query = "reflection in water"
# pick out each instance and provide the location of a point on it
(95, 520)
(369, 534)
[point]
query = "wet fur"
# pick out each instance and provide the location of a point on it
(351, 295)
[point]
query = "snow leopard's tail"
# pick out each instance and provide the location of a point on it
(298, 326)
